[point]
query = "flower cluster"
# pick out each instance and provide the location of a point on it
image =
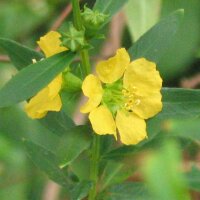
(122, 96)
(48, 99)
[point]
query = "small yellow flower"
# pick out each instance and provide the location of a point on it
(48, 99)
(122, 96)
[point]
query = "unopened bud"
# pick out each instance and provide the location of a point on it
(92, 21)
(73, 39)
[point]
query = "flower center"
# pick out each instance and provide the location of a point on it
(112, 96)
(131, 98)
(116, 97)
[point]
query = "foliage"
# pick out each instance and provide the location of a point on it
(63, 151)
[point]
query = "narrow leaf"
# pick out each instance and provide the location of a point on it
(81, 190)
(57, 122)
(140, 17)
(187, 128)
(155, 42)
(47, 162)
(20, 55)
(115, 173)
(74, 142)
(126, 191)
(179, 103)
(70, 101)
(33, 78)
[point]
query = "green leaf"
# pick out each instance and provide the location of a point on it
(20, 55)
(81, 190)
(140, 17)
(81, 165)
(33, 78)
(180, 55)
(57, 122)
(109, 7)
(126, 191)
(72, 144)
(187, 128)
(168, 185)
(180, 103)
(47, 162)
(70, 101)
(107, 142)
(16, 125)
(114, 173)
(193, 179)
(155, 42)
(120, 152)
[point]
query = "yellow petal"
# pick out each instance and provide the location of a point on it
(149, 106)
(41, 103)
(55, 86)
(112, 69)
(93, 90)
(102, 121)
(50, 43)
(47, 99)
(132, 129)
(143, 76)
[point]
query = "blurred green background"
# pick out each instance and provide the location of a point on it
(26, 20)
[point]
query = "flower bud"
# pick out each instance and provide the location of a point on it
(73, 39)
(92, 21)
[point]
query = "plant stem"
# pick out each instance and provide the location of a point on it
(85, 61)
(94, 166)
(79, 26)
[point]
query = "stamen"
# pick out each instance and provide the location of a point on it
(131, 95)
(125, 92)
(131, 98)
(137, 102)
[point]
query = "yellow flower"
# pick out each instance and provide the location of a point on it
(48, 99)
(122, 96)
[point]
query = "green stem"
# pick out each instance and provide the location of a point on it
(94, 166)
(79, 26)
(77, 15)
(85, 61)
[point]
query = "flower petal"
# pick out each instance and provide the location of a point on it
(102, 121)
(50, 43)
(91, 88)
(142, 75)
(41, 103)
(55, 86)
(112, 69)
(132, 129)
(149, 106)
